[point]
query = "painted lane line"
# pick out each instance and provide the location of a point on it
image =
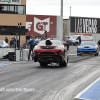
(73, 50)
(8, 63)
(73, 54)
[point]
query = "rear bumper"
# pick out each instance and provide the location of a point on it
(48, 58)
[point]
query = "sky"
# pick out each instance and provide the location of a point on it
(80, 8)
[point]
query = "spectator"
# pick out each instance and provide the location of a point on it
(32, 44)
(45, 33)
(98, 44)
(79, 40)
(13, 43)
(6, 40)
(43, 38)
(31, 37)
(17, 39)
(67, 41)
(51, 38)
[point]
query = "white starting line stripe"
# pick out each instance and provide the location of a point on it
(92, 92)
(73, 50)
(73, 54)
(8, 63)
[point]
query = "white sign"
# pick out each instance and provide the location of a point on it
(41, 25)
(28, 25)
(85, 25)
(16, 2)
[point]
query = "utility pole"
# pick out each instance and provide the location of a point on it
(70, 11)
(61, 7)
(19, 26)
(70, 22)
(61, 36)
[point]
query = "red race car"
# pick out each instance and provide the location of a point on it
(50, 51)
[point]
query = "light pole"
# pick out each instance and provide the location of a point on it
(19, 26)
(61, 35)
(70, 11)
(61, 7)
(70, 22)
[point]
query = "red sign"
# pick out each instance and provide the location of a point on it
(38, 24)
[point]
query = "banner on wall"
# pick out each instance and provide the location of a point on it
(84, 25)
(38, 24)
(16, 2)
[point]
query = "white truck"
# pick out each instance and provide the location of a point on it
(74, 39)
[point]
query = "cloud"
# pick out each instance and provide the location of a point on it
(85, 8)
(43, 10)
(82, 2)
(43, 2)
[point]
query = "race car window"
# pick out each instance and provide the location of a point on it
(87, 43)
(56, 42)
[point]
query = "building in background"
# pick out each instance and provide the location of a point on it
(12, 12)
(38, 24)
(82, 25)
(66, 28)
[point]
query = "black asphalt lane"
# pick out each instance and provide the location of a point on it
(48, 83)
(30, 81)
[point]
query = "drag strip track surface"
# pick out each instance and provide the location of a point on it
(75, 58)
(47, 83)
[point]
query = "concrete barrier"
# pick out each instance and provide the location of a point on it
(25, 54)
(19, 56)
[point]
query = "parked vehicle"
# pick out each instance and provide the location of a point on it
(50, 51)
(88, 48)
(25, 46)
(3, 44)
(74, 40)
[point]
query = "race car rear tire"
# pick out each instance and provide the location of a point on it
(63, 64)
(43, 64)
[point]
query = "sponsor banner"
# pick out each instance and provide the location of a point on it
(84, 25)
(38, 24)
(16, 2)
